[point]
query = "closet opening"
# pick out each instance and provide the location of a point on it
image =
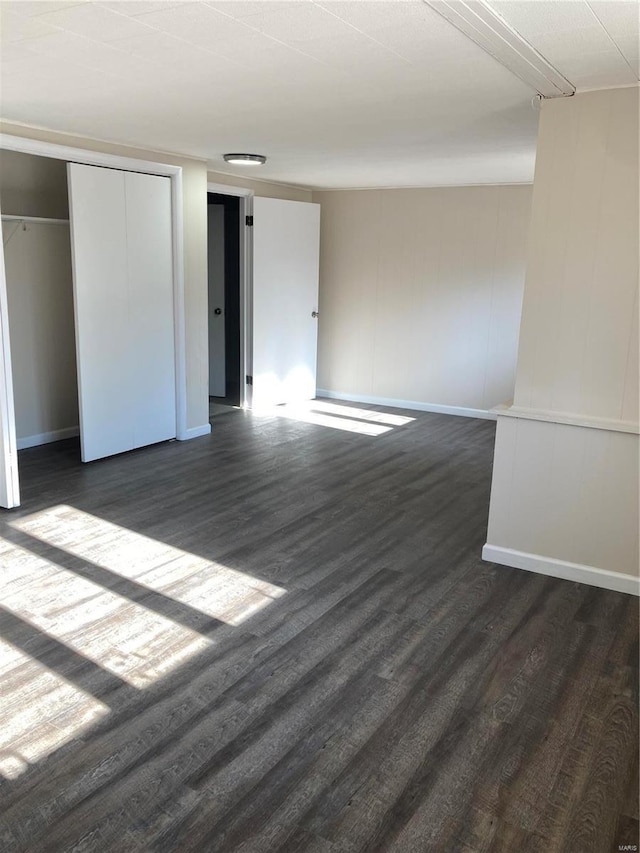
(92, 323)
(37, 256)
(224, 293)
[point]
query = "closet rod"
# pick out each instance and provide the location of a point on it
(9, 217)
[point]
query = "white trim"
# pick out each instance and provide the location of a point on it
(85, 155)
(254, 179)
(9, 480)
(561, 569)
(246, 290)
(580, 90)
(224, 189)
(47, 437)
(429, 186)
(568, 418)
(408, 404)
(195, 432)
(246, 304)
(180, 323)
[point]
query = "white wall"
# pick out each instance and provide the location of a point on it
(420, 293)
(40, 298)
(565, 484)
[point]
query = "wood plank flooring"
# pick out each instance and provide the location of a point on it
(281, 637)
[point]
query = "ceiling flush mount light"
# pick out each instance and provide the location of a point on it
(245, 159)
(477, 20)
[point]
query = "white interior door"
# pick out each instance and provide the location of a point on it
(9, 484)
(123, 303)
(215, 266)
(286, 241)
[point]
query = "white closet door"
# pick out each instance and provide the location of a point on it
(101, 306)
(286, 240)
(121, 249)
(149, 255)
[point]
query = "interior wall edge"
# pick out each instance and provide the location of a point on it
(562, 569)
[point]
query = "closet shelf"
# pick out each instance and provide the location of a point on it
(43, 220)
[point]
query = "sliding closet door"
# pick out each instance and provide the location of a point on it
(123, 297)
(101, 304)
(152, 365)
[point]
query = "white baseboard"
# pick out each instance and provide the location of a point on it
(408, 404)
(194, 432)
(47, 437)
(561, 569)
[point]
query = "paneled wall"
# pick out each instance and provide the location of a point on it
(565, 483)
(566, 494)
(420, 293)
(579, 337)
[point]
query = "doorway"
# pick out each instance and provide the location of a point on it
(224, 291)
(40, 312)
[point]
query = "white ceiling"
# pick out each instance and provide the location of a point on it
(342, 93)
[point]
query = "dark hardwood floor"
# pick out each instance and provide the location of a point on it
(281, 637)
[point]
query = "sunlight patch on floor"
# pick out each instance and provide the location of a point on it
(335, 416)
(212, 588)
(303, 413)
(39, 711)
(124, 638)
(362, 414)
(81, 633)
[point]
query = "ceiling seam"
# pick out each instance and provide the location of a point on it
(362, 33)
(613, 41)
(269, 36)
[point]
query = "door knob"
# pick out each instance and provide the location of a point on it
(217, 311)
(315, 314)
